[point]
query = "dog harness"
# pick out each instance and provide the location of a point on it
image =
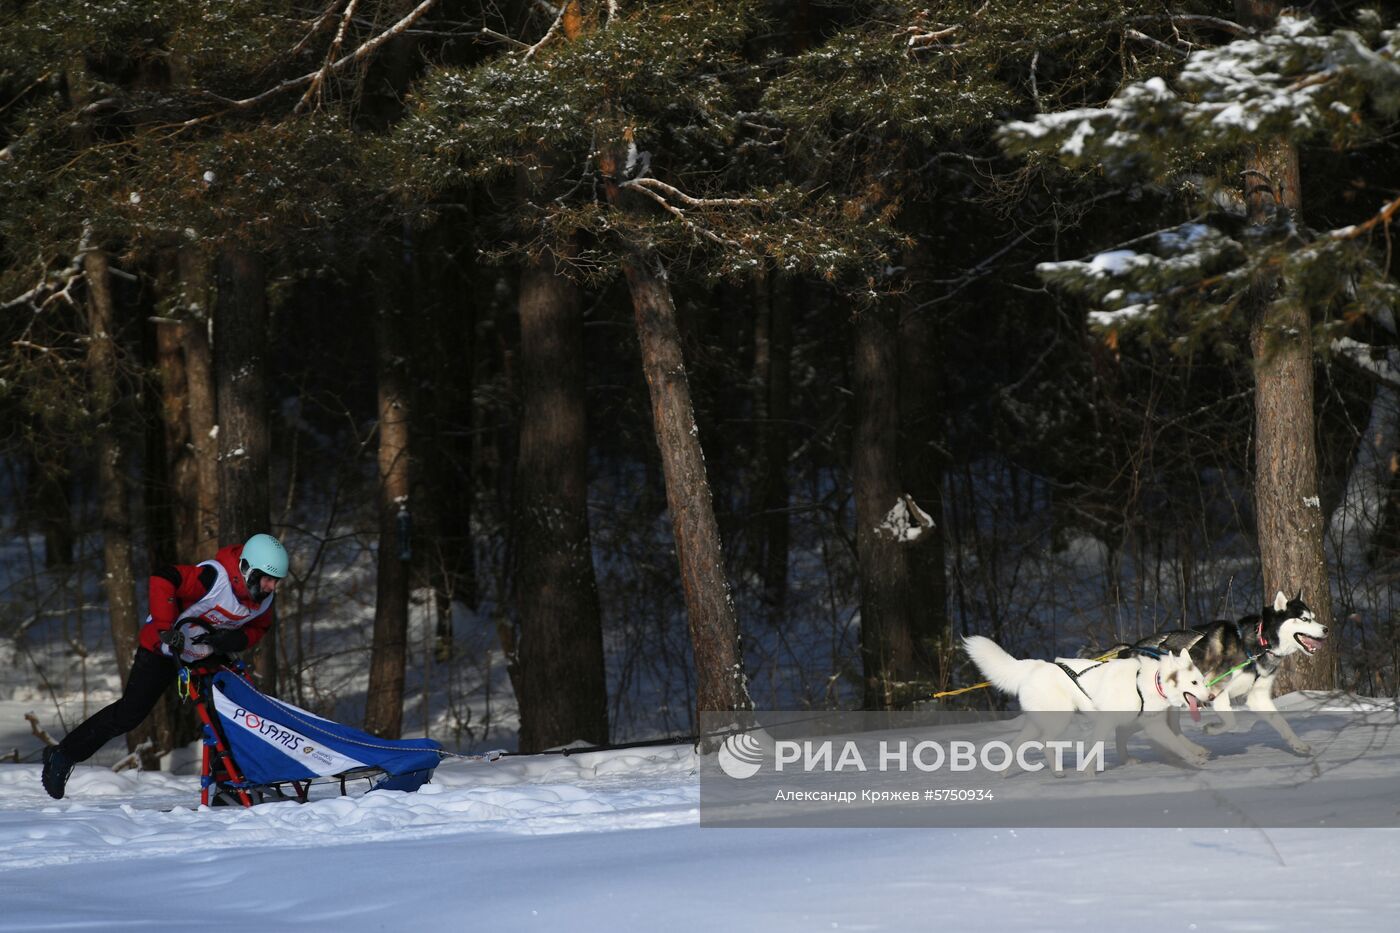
(1251, 659)
(1069, 672)
(1142, 702)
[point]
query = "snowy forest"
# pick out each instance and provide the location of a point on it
(606, 361)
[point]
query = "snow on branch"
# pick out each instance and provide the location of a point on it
(1364, 357)
(1129, 284)
(1382, 216)
(1292, 81)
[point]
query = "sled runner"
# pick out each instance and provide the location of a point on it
(257, 748)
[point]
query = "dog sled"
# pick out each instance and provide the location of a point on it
(258, 749)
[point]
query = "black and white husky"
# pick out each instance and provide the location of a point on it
(1241, 659)
(1118, 691)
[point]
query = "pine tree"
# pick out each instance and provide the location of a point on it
(1253, 263)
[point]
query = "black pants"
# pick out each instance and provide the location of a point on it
(151, 673)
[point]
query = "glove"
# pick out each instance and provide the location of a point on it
(223, 640)
(178, 643)
(174, 641)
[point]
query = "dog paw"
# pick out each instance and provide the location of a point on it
(1197, 761)
(1301, 748)
(1215, 728)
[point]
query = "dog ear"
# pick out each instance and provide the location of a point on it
(1299, 597)
(1280, 602)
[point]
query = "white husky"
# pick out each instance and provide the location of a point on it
(1119, 691)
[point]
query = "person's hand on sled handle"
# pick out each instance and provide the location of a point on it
(186, 642)
(223, 640)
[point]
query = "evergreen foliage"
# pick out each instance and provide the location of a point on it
(667, 84)
(1299, 82)
(936, 164)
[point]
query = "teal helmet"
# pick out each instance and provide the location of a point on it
(263, 556)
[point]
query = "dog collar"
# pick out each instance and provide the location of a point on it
(1157, 682)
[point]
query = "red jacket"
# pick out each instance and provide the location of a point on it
(176, 587)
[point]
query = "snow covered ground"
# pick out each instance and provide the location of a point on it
(611, 841)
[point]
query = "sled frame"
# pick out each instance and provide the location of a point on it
(221, 780)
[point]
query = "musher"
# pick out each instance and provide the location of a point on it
(228, 603)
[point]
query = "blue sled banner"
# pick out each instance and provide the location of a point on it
(274, 741)
(1334, 764)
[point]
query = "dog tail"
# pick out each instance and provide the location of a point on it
(1005, 672)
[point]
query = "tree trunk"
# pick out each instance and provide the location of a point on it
(203, 415)
(561, 682)
(118, 580)
(180, 492)
(200, 405)
(721, 683)
(1288, 510)
(47, 482)
(240, 378)
(442, 436)
(886, 627)
(384, 701)
(186, 446)
(922, 442)
(772, 409)
(169, 499)
(714, 631)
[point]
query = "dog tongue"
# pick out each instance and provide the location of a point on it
(1195, 710)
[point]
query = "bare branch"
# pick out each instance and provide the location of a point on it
(133, 760)
(1198, 20)
(1035, 88)
(1155, 43)
(1383, 216)
(360, 54)
(314, 91)
(38, 730)
(919, 39)
(504, 38)
(686, 199)
(646, 186)
(49, 290)
(326, 15)
(549, 33)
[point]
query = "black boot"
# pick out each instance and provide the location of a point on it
(57, 767)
